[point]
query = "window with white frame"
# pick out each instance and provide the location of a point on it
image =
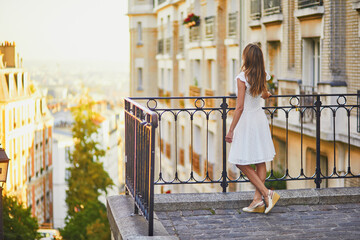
(162, 78)
(140, 79)
(169, 84)
(197, 140)
(139, 33)
(233, 73)
(181, 81)
(196, 72)
(311, 61)
(211, 72)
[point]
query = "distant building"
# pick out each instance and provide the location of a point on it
(63, 145)
(26, 134)
(309, 47)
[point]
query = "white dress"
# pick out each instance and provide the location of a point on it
(252, 142)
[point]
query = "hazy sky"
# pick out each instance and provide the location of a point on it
(79, 30)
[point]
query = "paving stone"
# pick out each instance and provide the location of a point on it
(323, 207)
(347, 205)
(340, 221)
(201, 212)
(187, 213)
(161, 215)
(174, 214)
(225, 212)
(299, 208)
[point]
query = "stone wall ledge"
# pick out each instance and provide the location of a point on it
(197, 201)
(125, 226)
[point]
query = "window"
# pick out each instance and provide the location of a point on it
(233, 73)
(181, 31)
(311, 61)
(196, 72)
(273, 61)
(162, 79)
(67, 154)
(169, 82)
(181, 81)
(139, 33)
(140, 79)
(211, 74)
(168, 26)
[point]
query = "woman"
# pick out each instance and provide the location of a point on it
(249, 131)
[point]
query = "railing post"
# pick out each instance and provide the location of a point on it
(136, 209)
(224, 106)
(318, 114)
(154, 125)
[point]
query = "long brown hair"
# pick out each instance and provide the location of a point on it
(254, 69)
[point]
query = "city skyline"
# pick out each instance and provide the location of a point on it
(76, 31)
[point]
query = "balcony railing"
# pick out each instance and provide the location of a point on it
(309, 3)
(330, 110)
(160, 46)
(232, 24)
(181, 44)
(272, 7)
(195, 33)
(210, 28)
(194, 91)
(255, 12)
(168, 45)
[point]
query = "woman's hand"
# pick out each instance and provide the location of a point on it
(266, 94)
(229, 137)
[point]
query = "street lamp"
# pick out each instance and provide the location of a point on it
(4, 164)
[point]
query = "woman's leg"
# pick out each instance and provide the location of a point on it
(255, 179)
(261, 172)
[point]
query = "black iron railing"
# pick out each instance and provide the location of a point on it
(181, 44)
(332, 110)
(194, 34)
(309, 3)
(209, 27)
(160, 49)
(140, 125)
(255, 11)
(168, 45)
(232, 24)
(272, 7)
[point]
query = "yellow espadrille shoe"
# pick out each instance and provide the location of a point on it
(257, 208)
(273, 197)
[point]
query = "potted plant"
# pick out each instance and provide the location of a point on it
(192, 20)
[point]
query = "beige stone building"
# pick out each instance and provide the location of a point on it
(309, 47)
(26, 135)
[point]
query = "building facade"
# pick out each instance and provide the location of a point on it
(309, 47)
(26, 134)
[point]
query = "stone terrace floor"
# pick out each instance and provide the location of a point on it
(336, 221)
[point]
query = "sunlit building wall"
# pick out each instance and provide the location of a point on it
(26, 135)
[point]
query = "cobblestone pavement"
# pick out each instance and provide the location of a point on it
(340, 221)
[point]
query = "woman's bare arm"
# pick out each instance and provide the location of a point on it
(265, 94)
(238, 110)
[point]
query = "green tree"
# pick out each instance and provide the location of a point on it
(18, 222)
(87, 181)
